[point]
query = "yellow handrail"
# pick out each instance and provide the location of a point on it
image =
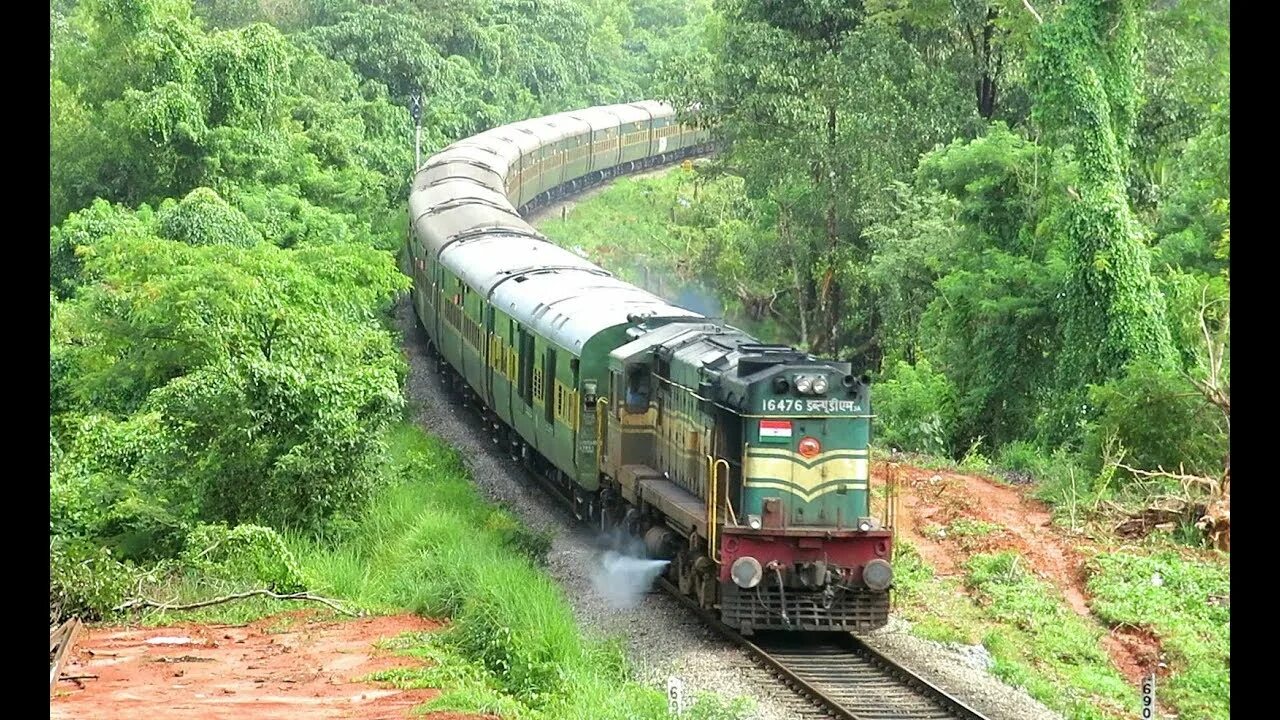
(891, 498)
(711, 509)
(733, 517)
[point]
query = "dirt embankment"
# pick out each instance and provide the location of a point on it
(286, 667)
(929, 498)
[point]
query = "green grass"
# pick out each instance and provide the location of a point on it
(937, 607)
(1043, 645)
(626, 227)
(1036, 641)
(968, 527)
(432, 545)
(1184, 601)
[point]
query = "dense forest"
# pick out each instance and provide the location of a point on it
(227, 188)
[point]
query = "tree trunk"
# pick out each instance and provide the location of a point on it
(989, 68)
(784, 234)
(827, 305)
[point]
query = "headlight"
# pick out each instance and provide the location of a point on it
(819, 385)
(753, 521)
(804, 384)
(877, 574)
(746, 572)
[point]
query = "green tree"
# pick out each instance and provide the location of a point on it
(982, 41)
(146, 105)
(1086, 66)
(264, 374)
(203, 218)
(820, 112)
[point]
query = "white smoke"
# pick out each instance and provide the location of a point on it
(623, 580)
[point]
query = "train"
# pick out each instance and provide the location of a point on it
(744, 464)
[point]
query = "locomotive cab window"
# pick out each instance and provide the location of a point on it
(638, 381)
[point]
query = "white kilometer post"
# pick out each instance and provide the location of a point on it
(675, 695)
(1149, 697)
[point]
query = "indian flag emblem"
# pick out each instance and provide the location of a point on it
(778, 431)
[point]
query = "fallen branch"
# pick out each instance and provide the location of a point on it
(1211, 514)
(144, 602)
(66, 636)
(1212, 484)
(79, 677)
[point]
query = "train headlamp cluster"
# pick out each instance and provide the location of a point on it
(877, 574)
(811, 385)
(746, 572)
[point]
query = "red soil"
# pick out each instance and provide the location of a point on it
(929, 497)
(308, 671)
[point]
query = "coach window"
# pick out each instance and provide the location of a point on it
(549, 372)
(526, 366)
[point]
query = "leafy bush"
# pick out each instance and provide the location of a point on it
(84, 579)
(254, 381)
(915, 409)
(1020, 456)
(1160, 419)
(204, 218)
(109, 483)
(973, 459)
(246, 554)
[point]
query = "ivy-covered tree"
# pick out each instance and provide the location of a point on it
(1086, 78)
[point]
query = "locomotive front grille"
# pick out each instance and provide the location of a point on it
(850, 610)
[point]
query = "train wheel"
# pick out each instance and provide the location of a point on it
(707, 587)
(706, 581)
(684, 573)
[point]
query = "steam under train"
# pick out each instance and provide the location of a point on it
(639, 410)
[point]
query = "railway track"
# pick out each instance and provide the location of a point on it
(836, 675)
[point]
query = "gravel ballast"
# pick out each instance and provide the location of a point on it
(662, 637)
